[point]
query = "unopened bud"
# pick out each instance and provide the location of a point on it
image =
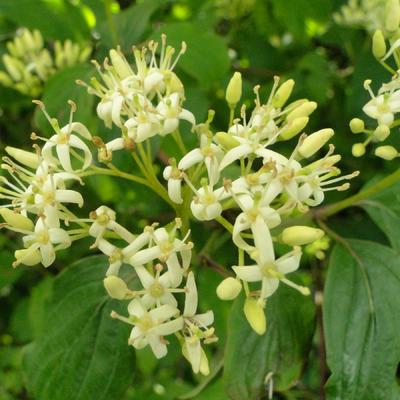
(16, 220)
(28, 257)
(120, 64)
(386, 152)
(283, 93)
(357, 125)
(226, 140)
(26, 158)
(116, 287)
(301, 235)
(229, 289)
(314, 142)
(234, 89)
(378, 45)
(358, 150)
(255, 315)
(304, 110)
(392, 15)
(294, 128)
(382, 132)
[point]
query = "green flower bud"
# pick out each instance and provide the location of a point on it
(392, 15)
(255, 315)
(27, 257)
(294, 128)
(301, 235)
(358, 150)
(382, 132)
(283, 93)
(386, 152)
(26, 158)
(314, 142)
(357, 125)
(120, 64)
(16, 220)
(229, 289)
(378, 45)
(226, 140)
(234, 89)
(303, 110)
(116, 287)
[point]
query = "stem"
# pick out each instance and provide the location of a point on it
(114, 171)
(178, 140)
(333, 209)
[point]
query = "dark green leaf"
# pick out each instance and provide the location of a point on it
(206, 58)
(362, 321)
(58, 19)
(384, 209)
(60, 88)
(282, 350)
(83, 353)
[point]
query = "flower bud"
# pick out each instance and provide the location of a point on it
(357, 125)
(229, 289)
(301, 235)
(234, 89)
(283, 93)
(303, 110)
(120, 64)
(116, 287)
(386, 152)
(358, 150)
(226, 140)
(314, 142)
(255, 315)
(294, 128)
(392, 15)
(27, 257)
(378, 45)
(26, 158)
(17, 220)
(382, 132)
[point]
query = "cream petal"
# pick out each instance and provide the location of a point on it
(148, 301)
(204, 319)
(48, 254)
(170, 125)
(81, 129)
(167, 328)
(64, 156)
(213, 211)
(268, 287)
(52, 216)
(194, 353)
(168, 298)
(139, 242)
(263, 240)
(116, 144)
(76, 142)
(175, 271)
(162, 313)
(241, 224)
(116, 110)
(249, 273)
(235, 154)
(191, 298)
(113, 269)
(186, 255)
(69, 196)
(193, 157)
(136, 308)
(174, 190)
(187, 116)
(144, 256)
(145, 277)
(159, 348)
(289, 264)
(161, 235)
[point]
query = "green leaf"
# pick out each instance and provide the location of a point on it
(384, 210)
(83, 352)
(282, 350)
(362, 321)
(58, 19)
(8, 274)
(60, 88)
(206, 58)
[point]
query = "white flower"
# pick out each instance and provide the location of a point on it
(206, 204)
(43, 239)
(63, 141)
(268, 270)
(209, 153)
(383, 107)
(166, 249)
(151, 326)
(174, 178)
(196, 329)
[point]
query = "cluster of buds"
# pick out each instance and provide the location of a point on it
(143, 101)
(161, 261)
(28, 63)
(383, 106)
(366, 14)
(36, 195)
(269, 187)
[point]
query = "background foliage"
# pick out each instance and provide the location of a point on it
(49, 352)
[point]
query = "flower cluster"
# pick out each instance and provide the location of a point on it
(37, 195)
(144, 101)
(269, 186)
(384, 105)
(367, 14)
(29, 64)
